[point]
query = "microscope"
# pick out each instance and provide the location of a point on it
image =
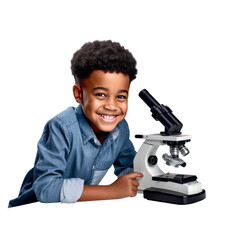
(157, 185)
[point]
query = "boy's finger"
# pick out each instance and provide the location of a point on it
(135, 189)
(136, 175)
(135, 183)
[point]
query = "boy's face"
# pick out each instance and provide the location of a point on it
(104, 98)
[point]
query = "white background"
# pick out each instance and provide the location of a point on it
(188, 55)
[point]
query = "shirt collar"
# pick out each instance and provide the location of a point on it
(87, 131)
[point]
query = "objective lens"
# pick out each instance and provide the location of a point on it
(174, 151)
(183, 150)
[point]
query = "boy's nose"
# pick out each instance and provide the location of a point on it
(111, 105)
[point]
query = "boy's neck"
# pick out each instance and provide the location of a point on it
(99, 134)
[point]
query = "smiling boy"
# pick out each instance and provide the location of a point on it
(79, 145)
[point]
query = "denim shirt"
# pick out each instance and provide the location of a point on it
(70, 156)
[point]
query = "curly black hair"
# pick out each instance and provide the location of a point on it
(102, 55)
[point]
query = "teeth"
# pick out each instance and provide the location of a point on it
(108, 117)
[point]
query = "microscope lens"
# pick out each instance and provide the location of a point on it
(184, 151)
(174, 151)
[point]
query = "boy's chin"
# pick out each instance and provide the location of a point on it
(107, 128)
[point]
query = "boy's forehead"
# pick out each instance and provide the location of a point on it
(107, 80)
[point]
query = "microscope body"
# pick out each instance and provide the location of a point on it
(157, 185)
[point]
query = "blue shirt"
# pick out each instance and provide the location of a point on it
(70, 156)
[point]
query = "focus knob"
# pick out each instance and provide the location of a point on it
(152, 160)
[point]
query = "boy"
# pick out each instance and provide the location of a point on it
(79, 145)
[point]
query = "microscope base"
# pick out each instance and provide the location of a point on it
(168, 196)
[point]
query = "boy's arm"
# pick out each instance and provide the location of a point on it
(50, 163)
(124, 186)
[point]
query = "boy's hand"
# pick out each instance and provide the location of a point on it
(126, 185)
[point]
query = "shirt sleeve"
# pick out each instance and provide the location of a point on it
(71, 190)
(51, 161)
(124, 162)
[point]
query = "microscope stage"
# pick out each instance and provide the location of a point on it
(159, 137)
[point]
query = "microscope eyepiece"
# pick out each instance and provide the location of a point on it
(162, 113)
(148, 98)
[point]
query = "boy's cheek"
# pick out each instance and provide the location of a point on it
(125, 110)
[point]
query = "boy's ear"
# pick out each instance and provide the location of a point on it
(77, 93)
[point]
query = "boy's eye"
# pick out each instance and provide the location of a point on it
(121, 97)
(101, 95)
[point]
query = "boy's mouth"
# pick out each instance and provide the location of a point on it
(108, 117)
